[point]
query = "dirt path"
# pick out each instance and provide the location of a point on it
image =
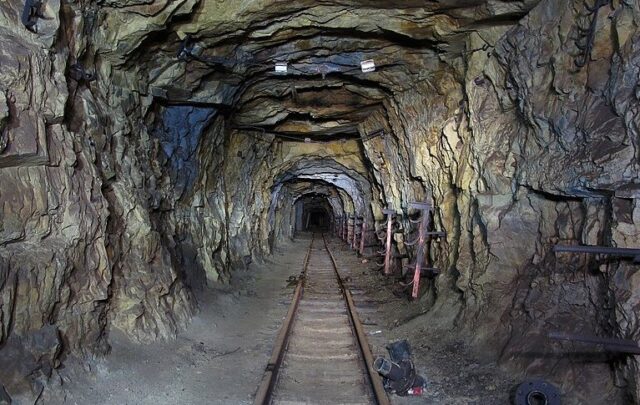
(220, 358)
(453, 375)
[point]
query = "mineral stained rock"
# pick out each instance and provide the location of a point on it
(120, 196)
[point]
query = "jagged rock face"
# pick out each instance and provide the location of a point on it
(528, 151)
(147, 148)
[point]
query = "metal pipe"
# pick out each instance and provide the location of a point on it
(354, 239)
(424, 224)
(388, 369)
(387, 254)
(350, 228)
(345, 225)
(362, 237)
(592, 339)
(610, 344)
(599, 250)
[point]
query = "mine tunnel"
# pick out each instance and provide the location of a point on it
(312, 213)
(319, 202)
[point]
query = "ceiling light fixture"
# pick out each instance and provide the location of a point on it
(368, 66)
(281, 67)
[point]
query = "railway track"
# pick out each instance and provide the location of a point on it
(321, 355)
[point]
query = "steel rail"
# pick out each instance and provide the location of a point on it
(263, 395)
(374, 378)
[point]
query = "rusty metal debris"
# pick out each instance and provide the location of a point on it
(399, 372)
(537, 391)
(600, 250)
(610, 344)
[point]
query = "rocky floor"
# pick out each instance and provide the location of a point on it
(322, 364)
(453, 374)
(220, 358)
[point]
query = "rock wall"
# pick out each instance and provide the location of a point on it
(130, 176)
(259, 174)
(521, 149)
(95, 204)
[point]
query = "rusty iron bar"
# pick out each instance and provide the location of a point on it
(421, 247)
(387, 252)
(350, 228)
(345, 226)
(363, 234)
(356, 230)
(611, 344)
(600, 250)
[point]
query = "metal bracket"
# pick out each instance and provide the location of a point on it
(423, 206)
(600, 250)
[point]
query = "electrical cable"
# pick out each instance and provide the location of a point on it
(280, 135)
(185, 53)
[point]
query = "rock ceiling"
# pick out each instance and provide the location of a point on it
(228, 51)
